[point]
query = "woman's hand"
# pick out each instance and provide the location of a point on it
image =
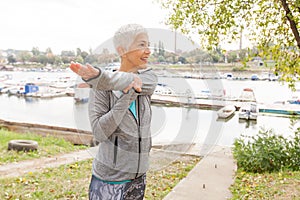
(86, 72)
(136, 84)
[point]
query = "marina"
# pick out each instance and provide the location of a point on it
(181, 118)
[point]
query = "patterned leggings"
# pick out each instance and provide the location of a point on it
(133, 190)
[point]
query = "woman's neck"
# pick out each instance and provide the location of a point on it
(127, 67)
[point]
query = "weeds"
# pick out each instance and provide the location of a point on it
(267, 152)
(268, 166)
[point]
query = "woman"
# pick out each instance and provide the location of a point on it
(120, 117)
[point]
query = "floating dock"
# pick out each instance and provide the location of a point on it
(281, 109)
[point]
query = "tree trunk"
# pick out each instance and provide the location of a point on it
(289, 16)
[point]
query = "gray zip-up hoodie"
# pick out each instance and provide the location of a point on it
(124, 141)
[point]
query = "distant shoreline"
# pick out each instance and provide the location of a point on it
(213, 69)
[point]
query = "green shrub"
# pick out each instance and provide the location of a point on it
(240, 68)
(294, 151)
(267, 152)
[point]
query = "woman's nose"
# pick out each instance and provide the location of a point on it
(147, 50)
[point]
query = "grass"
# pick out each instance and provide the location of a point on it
(72, 181)
(65, 182)
(47, 146)
(161, 182)
(283, 185)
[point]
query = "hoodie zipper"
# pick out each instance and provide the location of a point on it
(115, 151)
(139, 135)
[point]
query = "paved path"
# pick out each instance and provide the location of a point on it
(209, 179)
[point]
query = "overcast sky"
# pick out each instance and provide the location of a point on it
(68, 24)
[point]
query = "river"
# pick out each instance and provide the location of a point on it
(170, 124)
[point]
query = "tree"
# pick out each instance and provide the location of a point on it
(11, 59)
(35, 51)
(79, 59)
(106, 57)
(24, 56)
(50, 56)
(84, 54)
(161, 49)
(182, 60)
(91, 59)
(49, 51)
(78, 52)
(155, 50)
(42, 58)
(232, 56)
(273, 26)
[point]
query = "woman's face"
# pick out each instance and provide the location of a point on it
(138, 52)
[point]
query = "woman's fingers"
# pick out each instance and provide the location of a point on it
(128, 87)
(74, 67)
(137, 86)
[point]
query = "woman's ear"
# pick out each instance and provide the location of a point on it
(121, 51)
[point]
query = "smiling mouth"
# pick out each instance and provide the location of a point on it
(144, 59)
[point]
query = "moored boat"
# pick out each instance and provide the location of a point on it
(247, 95)
(295, 98)
(48, 92)
(226, 111)
(248, 111)
(81, 92)
(163, 89)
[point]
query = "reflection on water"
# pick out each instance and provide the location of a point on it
(170, 124)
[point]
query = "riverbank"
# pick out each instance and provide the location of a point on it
(215, 70)
(75, 136)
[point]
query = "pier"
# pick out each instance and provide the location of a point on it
(283, 109)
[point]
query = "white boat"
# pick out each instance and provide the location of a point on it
(204, 94)
(162, 89)
(113, 66)
(215, 93)
(82, 92)
(5, 77)
(226, 111)
(248, 111)
(63, 83)
(295, 98)
(15, 90)
(247, 95)
(48, 92)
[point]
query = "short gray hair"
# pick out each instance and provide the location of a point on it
(125, 36)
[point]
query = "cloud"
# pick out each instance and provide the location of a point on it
(69, 24)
